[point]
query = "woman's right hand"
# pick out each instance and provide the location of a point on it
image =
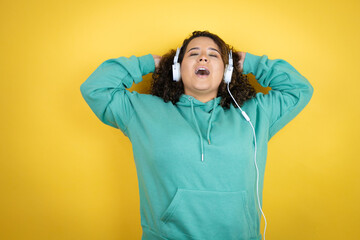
(242, 56)
(157, 59)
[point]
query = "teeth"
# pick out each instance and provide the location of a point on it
(202, 69)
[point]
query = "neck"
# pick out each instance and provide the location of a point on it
(202, 98)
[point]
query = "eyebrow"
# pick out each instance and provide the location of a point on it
(196, 48)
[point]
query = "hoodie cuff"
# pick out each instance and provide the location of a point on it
(147, 64)
(251, 63)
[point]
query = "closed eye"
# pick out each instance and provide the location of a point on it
(211, 55)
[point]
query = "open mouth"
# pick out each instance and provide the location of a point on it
(201, 71)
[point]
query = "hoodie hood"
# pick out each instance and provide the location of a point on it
(209, 107)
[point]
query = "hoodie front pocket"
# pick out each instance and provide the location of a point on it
(197, 214)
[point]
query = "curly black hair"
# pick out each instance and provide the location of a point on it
(163, 85)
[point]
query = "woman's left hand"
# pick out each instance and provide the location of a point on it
(242, 59)
(157, 60)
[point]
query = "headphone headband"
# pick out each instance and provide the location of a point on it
(177, 55)
(230, 58)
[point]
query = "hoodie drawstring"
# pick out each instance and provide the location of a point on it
(198, 128)
(209, 127)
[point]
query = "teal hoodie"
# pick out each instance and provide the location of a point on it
(195, 160)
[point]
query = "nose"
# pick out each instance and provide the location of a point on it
(203, 59)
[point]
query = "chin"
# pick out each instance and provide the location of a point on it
(202, 88)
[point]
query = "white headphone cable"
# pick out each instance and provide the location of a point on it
(257, 170)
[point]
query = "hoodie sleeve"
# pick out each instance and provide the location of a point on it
(105, 89)
(290, 91)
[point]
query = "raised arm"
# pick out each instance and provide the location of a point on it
(290, 92)
(105, 89)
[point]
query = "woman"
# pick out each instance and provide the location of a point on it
(200, 156)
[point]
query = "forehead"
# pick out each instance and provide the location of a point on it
(202, 42)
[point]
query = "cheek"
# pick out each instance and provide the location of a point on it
(219, 72)
(185, 68)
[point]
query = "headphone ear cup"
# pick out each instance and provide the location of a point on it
(176, 66)
(176, 72)
(228, 73)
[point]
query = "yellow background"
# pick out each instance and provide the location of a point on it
(65, 175)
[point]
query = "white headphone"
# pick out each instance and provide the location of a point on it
(176, 67)
(177, 74)
(229, 69)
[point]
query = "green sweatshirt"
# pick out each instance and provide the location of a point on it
(195, 160)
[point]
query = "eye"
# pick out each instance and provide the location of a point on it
(213, 55)
(193, 54)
